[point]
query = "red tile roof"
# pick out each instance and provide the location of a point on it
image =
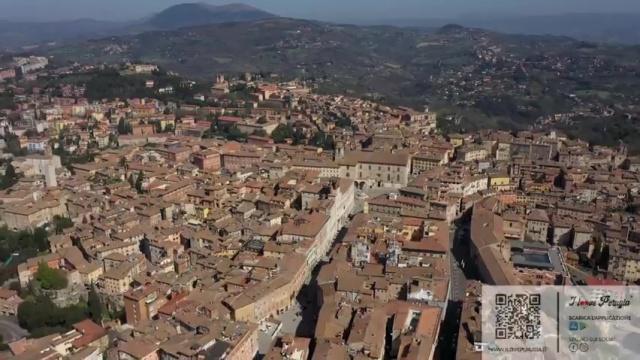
(90, 332)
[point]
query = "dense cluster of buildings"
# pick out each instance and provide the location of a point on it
(22, 66)
(206, 243)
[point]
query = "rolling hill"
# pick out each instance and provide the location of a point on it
(601, 28)
(478, 77)
(357, 54)
(604, 28)
(16, 35)
(193, 14)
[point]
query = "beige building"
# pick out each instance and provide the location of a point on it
(426, 161)
(472, 152)
(537, 225)
(326, 169)
(624, 262)
(273, 296)
(9, 302)
(376, 169)
(117, 280)
(31, 214)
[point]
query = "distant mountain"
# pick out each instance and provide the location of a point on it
(194, 14)
(611, 28)
(479, 78)
(450, 29)
(399, 63)
(16, 35)
(602, 28)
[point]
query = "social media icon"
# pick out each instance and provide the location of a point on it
(577, 326)
(584, 347)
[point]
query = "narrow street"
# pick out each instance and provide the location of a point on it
(448, 340)
(10, 330)
(300, 319)
(456, 258)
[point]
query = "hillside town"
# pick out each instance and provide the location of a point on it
(262, 219)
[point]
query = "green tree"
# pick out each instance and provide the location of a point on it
(9, 178)
(113, 140)
(60, 223)
(10, 172)
(109, 84)
(96, 308)
(321, 139)
(24, 242)
(281, 133)
(6, 101)
(344, 122)
(124, 127)
(298, 137)
(36, 313)
(139, 181)
(15, 286)
(13, 145)
(50, 279)
(41, 238)
(124, 163)
(234, 134)
(42, 317)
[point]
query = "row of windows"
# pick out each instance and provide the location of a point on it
(378, 175)
(395, 168)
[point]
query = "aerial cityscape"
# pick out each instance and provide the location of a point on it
(219, 182)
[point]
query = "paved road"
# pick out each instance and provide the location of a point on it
(458, 279)
(266, 337)
(10, 330)
(300, 319)
(448, 340)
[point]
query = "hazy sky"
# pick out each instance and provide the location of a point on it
(318, 9)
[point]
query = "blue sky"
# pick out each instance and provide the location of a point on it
(317, 9)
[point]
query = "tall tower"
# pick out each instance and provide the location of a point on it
(50, 175)
(339, 150)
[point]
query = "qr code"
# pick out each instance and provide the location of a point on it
(517, 316)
